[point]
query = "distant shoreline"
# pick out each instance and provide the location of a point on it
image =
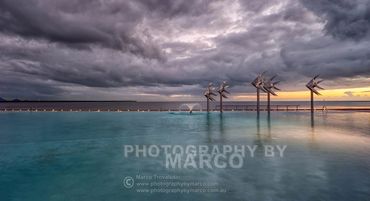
(65, 101)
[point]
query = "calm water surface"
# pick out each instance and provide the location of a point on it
(79, 156)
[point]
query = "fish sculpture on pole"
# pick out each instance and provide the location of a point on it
(209, 94)
(222, 91)
(270, 86)
(259, 83)
(311, 85)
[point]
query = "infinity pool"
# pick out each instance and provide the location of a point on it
(79, 156)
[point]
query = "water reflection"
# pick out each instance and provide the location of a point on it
(312, 121)
(263, 134)
(222, 126)
(269, 126)
(336, 170)
(209, 127)
(263, 129)
(258, 125)
(312, 143)
(216, 127)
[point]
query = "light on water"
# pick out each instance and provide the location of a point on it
(79, 156)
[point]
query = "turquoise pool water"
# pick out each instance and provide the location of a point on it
(79, 156)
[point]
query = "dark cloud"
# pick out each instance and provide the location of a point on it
(329, 58)
(77, 22)
(87, 48)
(349, 19)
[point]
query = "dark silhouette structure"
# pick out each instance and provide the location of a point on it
(270, 86)
(209, 94)
(259, 83)
(311, 85)
(222, 91)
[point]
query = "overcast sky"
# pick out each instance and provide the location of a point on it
(171, 49)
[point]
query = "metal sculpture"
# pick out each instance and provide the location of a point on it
(311, 85)
(259, 83)
(270, 86)
(222, 91)
(209, 94)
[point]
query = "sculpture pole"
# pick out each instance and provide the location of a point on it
(258, 101)
(269, 87)
(221, 109)
(312, 109)
(311, 85)
(258, 82)
(207, 105)
(209, 95)
(268, 103)
(222, 91)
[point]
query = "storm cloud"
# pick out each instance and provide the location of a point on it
(94, 48)
(343, 19)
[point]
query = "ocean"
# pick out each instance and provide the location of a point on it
(165, 106)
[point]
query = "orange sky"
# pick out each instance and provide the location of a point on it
(362, 93)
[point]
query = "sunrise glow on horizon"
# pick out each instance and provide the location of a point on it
(349, 94)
